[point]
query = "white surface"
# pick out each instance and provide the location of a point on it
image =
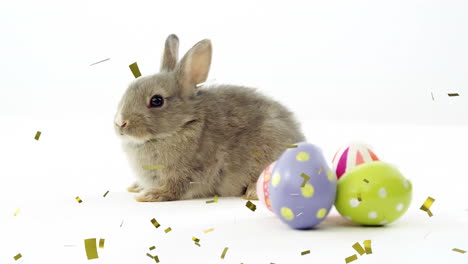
(366, 67)
(43, 177)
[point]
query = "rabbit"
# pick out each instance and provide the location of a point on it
(204, 139)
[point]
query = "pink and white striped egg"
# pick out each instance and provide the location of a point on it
(350, 156)
(262, 185)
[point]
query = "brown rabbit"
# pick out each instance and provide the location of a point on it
(203, 140)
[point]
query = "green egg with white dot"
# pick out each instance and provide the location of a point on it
(373, 193)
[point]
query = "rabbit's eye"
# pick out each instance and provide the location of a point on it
(156, 101)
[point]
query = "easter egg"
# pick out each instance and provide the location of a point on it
(374, 193)
(350, 156)
(302, 186)
(262, 185)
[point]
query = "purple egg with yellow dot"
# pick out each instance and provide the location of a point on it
(302, 186)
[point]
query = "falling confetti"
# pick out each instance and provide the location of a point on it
(78, 199)
(359, 197)
(459, 250)
(366, 181)
(17, 212)
(195, 239)
(100, 61)
(156, 258)
(256, 153)
(155, 223)
(453, 94)
(299, 214)
(135, 70)
(151, 248)
(196, 243)
(168, 230)
(351, 258)
(305, 252)
(38, 134)
(427, 205)
(208, 230)
(17, 256)
(105, 194)
(251, 206)
(153, 167)
(358, 248)
(91, 250)
(101, 243)
(121, 223)
(149, 255)
(292, 146)
(224, 252)
(432, 95)
(367, 246)
(306, 178)
(320, 170)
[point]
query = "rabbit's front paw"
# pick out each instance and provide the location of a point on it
(156, 195)
(134, 188)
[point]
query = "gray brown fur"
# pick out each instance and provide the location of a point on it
(205, 137)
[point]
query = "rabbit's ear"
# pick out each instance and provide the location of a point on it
(194, 67)
(171, 53)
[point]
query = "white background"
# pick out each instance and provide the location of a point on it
(370, 71)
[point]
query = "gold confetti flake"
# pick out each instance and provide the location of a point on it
(320, 170)
(195, 239)
(453, 94)
(135, 70)
(91, 250)
(359, 197)
(153, 167)
(459, 250)
(105, 194)
(151, 248)
(149, 255)
(208, 230)
(368, 247)
(17, 212)
(198, 244)
(306, 178)
(38, 134)
(78, 199)
(101, 242)
(251, 206)
(167, 230)
(366, 181)
(224, 252)
(100, 61)
(305, 252)
(155, 223)
(292, 146)
(215, 200)
(359, 248)
(17, 256)
(256, 153)
(427, 204)
(156, 258)
(351, 258)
